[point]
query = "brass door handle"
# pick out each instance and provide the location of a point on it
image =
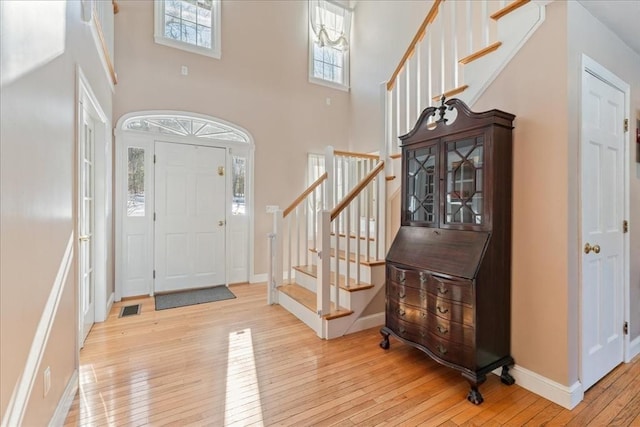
(84, 238)
(220, 223)
(588, 248)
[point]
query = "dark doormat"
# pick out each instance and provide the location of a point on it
(193, 297)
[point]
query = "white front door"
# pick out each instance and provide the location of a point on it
(86, 221)
(602, 170)
(190, 216)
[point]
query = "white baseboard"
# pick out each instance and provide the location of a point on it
(110, 302)
(367, 322)
(258, 278)
(634, 349)
(60, 415)
(567, 397)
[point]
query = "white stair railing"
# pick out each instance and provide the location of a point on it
(341, 213)
(452, 54)
(358, 216)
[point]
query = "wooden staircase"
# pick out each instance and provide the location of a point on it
(339, 211)
(458, 50)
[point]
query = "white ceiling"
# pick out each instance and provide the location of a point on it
(621, 16)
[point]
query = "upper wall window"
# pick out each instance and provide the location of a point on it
(329, 29)
(191, 25)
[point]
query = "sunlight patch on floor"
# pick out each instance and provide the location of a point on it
(242, 403)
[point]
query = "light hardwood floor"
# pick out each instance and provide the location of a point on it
(242, 362)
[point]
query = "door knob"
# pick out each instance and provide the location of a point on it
(220, 223)
(588, 248)
(84, 238)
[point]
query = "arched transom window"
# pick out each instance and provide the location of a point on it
(185, 126)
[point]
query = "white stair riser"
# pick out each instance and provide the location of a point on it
(352, 245)
(311, 319)
(347, 299)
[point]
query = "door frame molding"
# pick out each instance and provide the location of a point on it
(87, 100)
(152, 137)
(590, 66)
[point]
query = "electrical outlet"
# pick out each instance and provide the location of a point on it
(184, 70)
(47, 380)
(272, 208)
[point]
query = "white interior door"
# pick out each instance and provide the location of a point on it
(602, 169)
(86, 221)
(190, 216)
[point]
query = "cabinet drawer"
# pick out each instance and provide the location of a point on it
(452, 331)
(407, 294)
(406, 312)
(407, 277)
(455, 290)
(408, 331)
(451, 351)
(446, 309)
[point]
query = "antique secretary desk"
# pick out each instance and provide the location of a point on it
(448, 274)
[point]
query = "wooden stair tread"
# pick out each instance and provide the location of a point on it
(307, 298)
(508, 9)
(352, 257)
(452, 92)
(353, 236)
(312, 270)
(480, 53)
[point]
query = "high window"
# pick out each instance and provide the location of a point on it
(192, 25)
(329, 28)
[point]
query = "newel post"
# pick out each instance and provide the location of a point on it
(275, 258)
(324, 269)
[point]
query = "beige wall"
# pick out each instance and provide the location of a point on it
(260, 83)
(533, 86)
(38, 114)
(545, 97)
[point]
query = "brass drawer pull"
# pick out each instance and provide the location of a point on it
(442, 289)
(423, 278)
(401, 277)
(422, 334)
(402, 330)
(401, 312)
(423, 314)
(442, 349)
(442, 310)
(441, 329)
(402, 294)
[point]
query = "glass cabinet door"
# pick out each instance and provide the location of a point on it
(422, 185)
(464, 184)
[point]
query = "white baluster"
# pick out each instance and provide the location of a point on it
(407, 95)
(440, 34)
(418, 83)
(347, 249)
(329, 188)
(485, 24)
(454, 44)
(469, 27)
(289, 238)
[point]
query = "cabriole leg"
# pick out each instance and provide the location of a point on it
(385, 339)
(506, 377)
